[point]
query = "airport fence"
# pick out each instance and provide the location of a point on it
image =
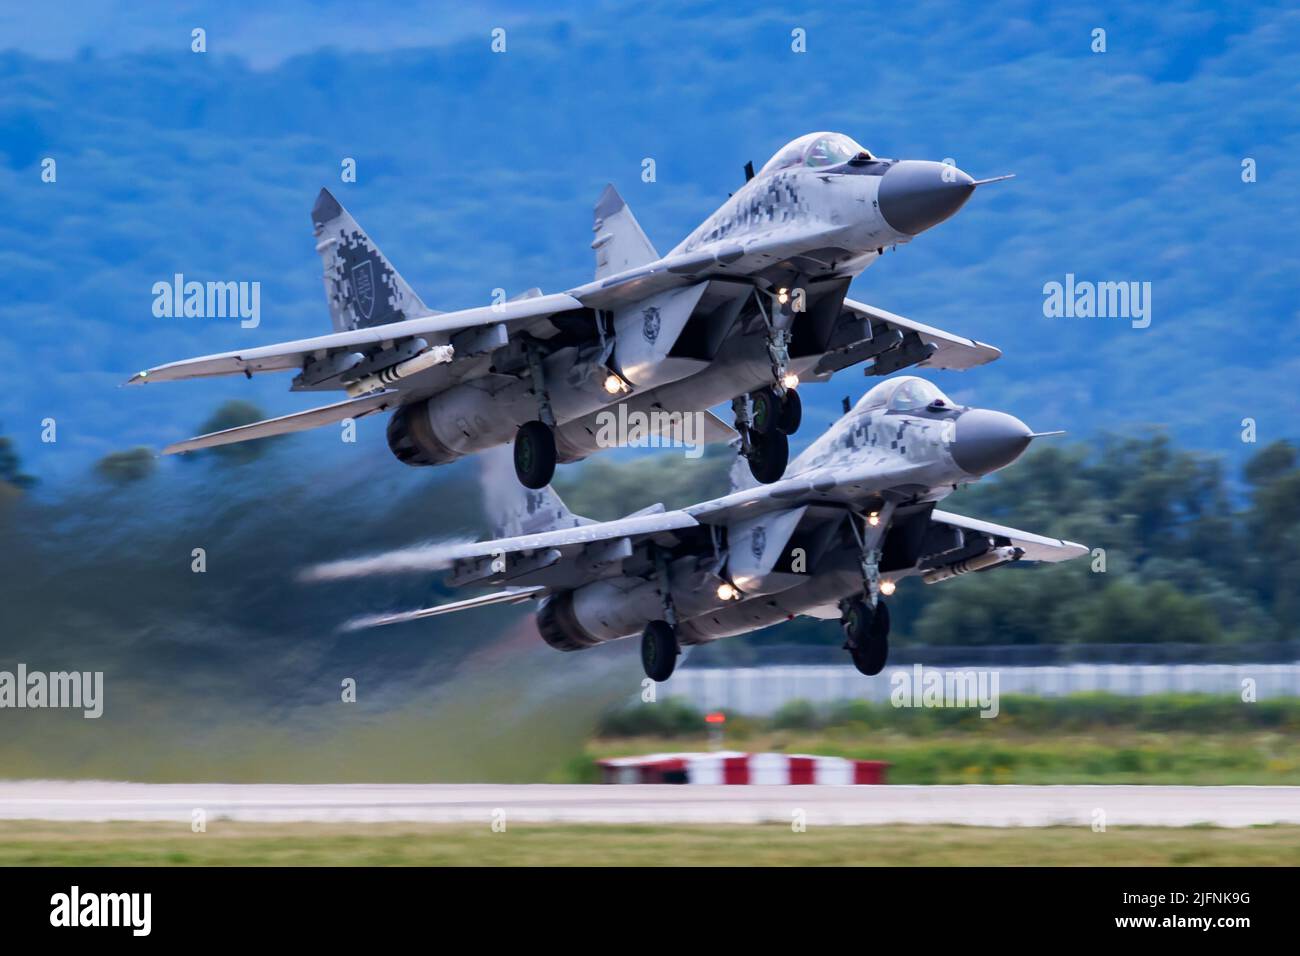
(763, 689)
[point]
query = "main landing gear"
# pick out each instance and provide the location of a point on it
(535, 455)
(659, 650)
(766, 419)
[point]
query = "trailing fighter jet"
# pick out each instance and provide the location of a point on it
(854, 514)
(746, 306)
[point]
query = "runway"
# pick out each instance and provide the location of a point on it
(993, 806)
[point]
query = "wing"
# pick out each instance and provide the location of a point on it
(546, 548)
(298, 421)
(1036, 547)
(895, 342)
(517, 315)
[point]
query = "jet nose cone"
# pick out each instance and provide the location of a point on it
(915, 195)
(985, 441)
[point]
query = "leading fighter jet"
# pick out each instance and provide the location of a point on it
(854, 514)
(740, 311)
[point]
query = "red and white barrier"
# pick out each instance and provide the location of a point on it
(729, 767)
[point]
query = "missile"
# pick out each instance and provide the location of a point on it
(435, 355)
(989, 559)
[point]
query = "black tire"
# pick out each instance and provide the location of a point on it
(535, 454)
(768, 456)
(659, 650)
(764, 411)
(867, 636)
(791, 412)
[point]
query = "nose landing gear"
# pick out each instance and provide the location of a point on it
(773, 411)
(791, 412)
(765, 419)
(768, 456)
(866, 618)
(866, 635)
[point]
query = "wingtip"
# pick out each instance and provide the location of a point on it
(1080, 550)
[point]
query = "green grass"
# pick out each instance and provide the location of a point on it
(28, 843)
(1074, 713)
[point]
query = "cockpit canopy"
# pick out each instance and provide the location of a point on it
(816, 150)
(907, 393)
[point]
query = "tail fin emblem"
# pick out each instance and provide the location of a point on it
(363, 288)
(650, 324)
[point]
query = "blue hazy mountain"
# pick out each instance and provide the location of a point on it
(478, 170)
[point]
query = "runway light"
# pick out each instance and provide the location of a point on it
(887, 587)
(613, 384)
(790, 380)
(873, 519)
(726, 592)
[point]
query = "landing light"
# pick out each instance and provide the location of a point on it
(783, 296)
(726, 592)
(873, 519)
(887, 588)
(790, 380)
(613, 384)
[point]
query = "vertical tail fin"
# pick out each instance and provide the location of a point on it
(620, 244)
(361, 285)
(742, 479)
(513, 509)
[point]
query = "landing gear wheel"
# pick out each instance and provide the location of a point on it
(791, 412)
(768, 456)
(659, 650)
(867, 636)
(535, 454)
(764, 411)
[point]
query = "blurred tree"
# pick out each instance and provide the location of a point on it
(11, 467)
(232, 414)
(1273, 533)
(124, 467)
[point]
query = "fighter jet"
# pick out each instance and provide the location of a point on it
(740, 311)
(853, 516)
